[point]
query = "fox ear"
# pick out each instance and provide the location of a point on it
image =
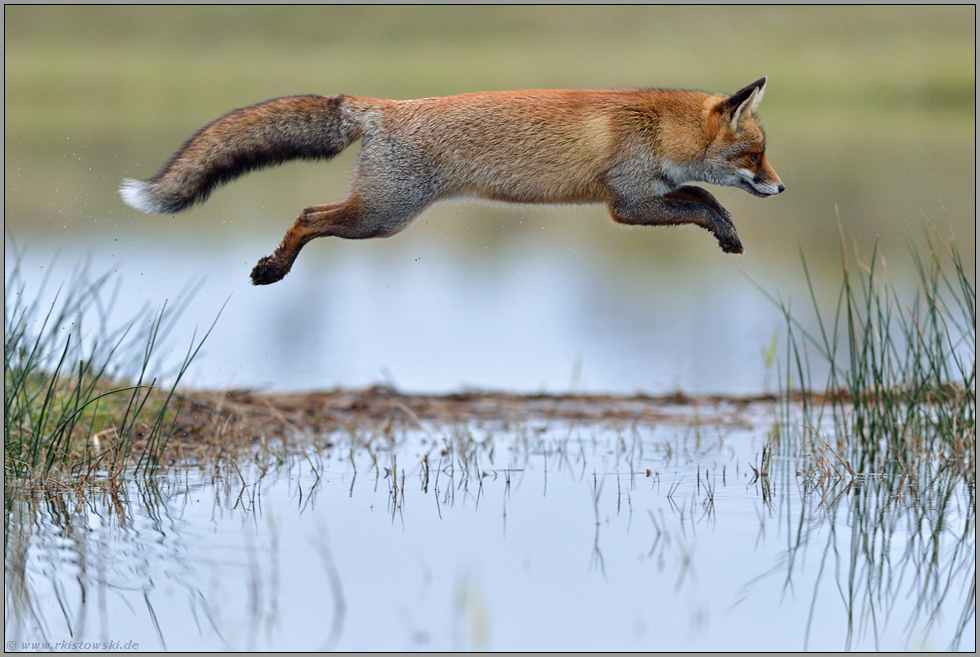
(743, 102)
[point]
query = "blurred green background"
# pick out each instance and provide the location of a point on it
(869, 109)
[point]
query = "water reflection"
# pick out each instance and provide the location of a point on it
(527, 536)
(364, 313)
(913, 540)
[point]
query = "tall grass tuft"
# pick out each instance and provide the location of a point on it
(901, 388)
(890, 441)
(82, 403)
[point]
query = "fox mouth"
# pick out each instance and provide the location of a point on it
(752, 189)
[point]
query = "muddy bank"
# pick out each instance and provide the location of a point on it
(211, 422)
(380, 407)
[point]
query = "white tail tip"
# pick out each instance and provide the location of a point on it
(139, 195)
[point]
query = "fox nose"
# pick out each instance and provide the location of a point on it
(780, 188)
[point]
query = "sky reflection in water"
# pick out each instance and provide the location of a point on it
(354, 316)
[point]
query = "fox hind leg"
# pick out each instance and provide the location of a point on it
(392, 183)
(351, 219)
(309, 225)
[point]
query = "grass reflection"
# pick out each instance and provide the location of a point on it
(883, 539)
(871, 540)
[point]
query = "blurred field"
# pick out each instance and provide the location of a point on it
(871, 109)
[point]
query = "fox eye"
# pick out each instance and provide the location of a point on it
(755, 158)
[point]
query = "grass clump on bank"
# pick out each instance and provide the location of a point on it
(80, 404)
(901, 388)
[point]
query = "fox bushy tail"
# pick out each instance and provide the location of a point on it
(269, 133)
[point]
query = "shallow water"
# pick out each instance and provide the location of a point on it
(427, 319)
(531, 537)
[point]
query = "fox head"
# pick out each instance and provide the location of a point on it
(736, 154)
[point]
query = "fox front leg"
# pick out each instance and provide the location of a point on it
(685, 205)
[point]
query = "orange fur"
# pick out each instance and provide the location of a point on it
(631, 149)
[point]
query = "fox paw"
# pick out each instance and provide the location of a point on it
(730, 243)
(268, 271)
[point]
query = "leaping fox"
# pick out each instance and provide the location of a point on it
(632, 149)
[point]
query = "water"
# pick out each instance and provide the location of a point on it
(425, 318)
(563, 537)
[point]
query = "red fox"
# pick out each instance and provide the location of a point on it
(631, 149)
